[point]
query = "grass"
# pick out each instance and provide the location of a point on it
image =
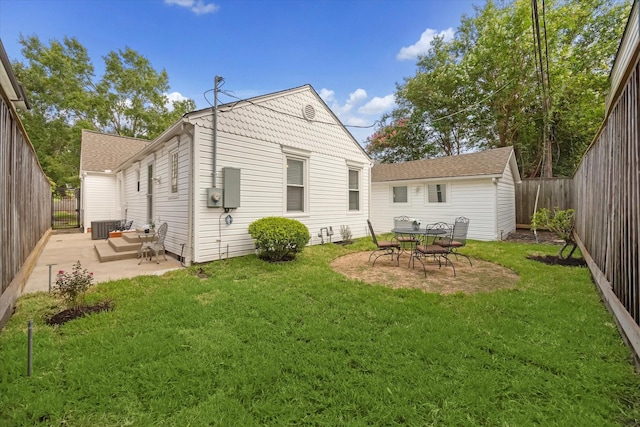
(296, 343)
(65, 218)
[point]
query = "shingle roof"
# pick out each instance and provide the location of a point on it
(100, 152)
(488, 162)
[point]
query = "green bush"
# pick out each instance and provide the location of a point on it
(72, 286)
(559, 222)
(279, 238)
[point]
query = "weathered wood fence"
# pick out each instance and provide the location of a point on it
(607, 192)
(25, 203)
(550, 193)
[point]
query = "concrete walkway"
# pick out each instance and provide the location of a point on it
(64, 250)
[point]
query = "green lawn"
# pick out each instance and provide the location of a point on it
(296, 343)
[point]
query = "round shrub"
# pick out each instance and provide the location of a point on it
(278, 238)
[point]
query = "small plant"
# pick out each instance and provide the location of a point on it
(345, 232)
(72, 286)
(278, 238)
(559, 222)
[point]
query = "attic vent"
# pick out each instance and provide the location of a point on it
(309, 112)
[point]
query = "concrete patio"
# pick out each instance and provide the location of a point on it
(64, 250)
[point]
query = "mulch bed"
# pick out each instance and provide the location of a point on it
(73, 313)
(555, 260)
(545, 237)
(528, 236)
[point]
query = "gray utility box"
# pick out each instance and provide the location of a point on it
(231, 182)
(228, 196)
(214, 197)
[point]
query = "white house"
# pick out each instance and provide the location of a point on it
(479, 186)
(281, 154)
(100, 155)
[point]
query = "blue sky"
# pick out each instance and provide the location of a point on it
(353, 52)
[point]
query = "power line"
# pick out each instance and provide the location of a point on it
(248, 100)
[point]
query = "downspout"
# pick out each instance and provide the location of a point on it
(369, 203)
(496, 232)
(190, 198)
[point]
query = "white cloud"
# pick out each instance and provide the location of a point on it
(423, 45)
(358, 121)
(327, 95)
(378, 105)
(199, 7)
(174, 96)
(364, 116)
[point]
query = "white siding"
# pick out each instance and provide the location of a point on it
(251, 140)
(472, 198)
(506, 205)
(167, 207)
(100, 198)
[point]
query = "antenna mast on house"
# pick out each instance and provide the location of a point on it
(216, 81)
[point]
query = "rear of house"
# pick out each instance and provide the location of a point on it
(100, 155)
(282, 154)
(479, 186)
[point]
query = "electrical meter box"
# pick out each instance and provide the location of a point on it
(214, 197)
(231, 182)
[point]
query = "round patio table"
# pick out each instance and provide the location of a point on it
(416, 234)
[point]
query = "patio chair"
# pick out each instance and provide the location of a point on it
(384, 247)
(404, 223)
(156, 247)
(457, 239)
(425, 249)
(122, 225)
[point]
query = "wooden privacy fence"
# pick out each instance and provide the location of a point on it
(550, 192)
(607, 193)
(25, 202)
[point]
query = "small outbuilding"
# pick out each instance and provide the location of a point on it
(479, 186)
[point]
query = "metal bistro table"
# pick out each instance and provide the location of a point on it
(145, 237)
(415, 234)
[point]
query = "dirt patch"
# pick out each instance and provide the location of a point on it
(528, 236)
(481, 277)
(545, 237)
(73, 313)
(555, 260)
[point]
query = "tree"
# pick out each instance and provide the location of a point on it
(483, 88)
(130, 99)
(399, 139)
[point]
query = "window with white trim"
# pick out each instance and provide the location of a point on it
(174, 172)
(400, 194)
(296, 185)
(437, 193)
(354, 190)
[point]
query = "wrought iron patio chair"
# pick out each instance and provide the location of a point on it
(156, 247)
(385, 247)
(404, 223)
(425, 249)
(457, 239)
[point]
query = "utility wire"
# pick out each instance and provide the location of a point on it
(231, 106)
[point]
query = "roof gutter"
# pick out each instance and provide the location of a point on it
(14, 89)
(176, 129)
